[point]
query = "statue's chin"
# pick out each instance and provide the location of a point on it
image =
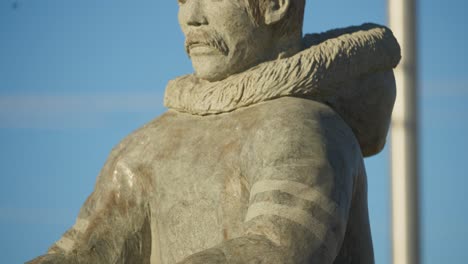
(218, 67)
(211, 77)
(210, 70)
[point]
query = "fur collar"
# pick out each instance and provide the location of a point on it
(331, 58)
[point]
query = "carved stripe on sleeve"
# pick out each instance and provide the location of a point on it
(296, 189)
(295, 215)
(65, 243)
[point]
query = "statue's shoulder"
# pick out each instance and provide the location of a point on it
(292, 128)
(299, 119)
(295, 110)
(142, 136)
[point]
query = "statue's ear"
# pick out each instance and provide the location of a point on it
(276, 10)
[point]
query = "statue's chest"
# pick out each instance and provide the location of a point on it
(200, 194)
(196, 161)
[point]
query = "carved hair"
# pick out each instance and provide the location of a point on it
(290, 26)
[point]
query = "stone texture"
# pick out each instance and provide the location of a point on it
(191, 178)
(257, 160)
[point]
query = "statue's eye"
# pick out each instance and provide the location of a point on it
(181, 2)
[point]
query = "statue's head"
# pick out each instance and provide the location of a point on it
(224, 37)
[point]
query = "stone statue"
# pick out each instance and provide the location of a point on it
(259, 158)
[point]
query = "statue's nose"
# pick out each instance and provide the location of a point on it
(196, 14)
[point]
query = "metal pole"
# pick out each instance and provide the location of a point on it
(404, 138)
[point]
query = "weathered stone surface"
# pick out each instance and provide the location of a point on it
(253, 176)
(264, 166)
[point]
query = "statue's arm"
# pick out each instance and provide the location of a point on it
(302, 171)
(112, 226)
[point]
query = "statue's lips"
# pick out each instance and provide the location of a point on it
(202, 49)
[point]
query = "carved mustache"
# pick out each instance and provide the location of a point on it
(201, 37)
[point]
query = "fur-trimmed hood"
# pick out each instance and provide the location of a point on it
(349, 69)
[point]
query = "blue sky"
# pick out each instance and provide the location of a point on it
(76, 76)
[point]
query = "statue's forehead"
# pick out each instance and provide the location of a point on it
(239, 3)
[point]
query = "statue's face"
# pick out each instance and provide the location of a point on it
(221, 38)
